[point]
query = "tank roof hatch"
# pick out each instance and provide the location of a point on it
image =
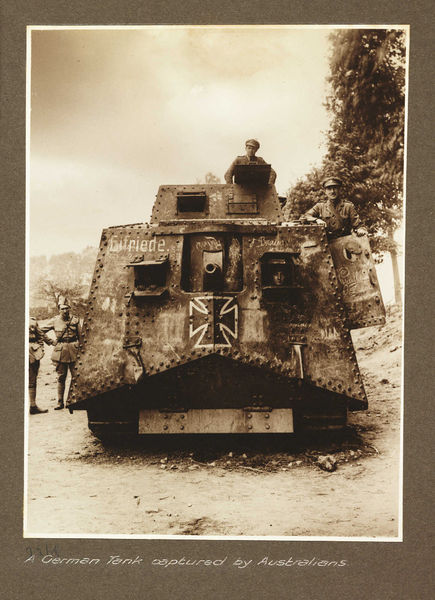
(252, 174)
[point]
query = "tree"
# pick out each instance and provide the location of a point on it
(368, 97)
(365, 142)
(67, 275)
(49, 291)
(209, 178)
(303, 195)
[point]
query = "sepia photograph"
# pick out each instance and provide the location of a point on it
(214, 282)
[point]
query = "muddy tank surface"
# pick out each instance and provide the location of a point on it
(218, 317)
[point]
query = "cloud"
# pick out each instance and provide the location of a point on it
(116, 113)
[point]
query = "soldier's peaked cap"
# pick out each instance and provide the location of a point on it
(331, 180)
(253, 142)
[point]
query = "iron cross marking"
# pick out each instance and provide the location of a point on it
(213, 321)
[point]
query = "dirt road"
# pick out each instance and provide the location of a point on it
(224, 487)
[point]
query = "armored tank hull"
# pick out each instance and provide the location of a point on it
(217, 317)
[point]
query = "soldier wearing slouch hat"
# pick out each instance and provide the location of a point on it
(67, 330)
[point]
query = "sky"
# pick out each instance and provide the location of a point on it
(114, 113)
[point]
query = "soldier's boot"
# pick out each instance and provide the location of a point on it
(60, 392)
(34, 410)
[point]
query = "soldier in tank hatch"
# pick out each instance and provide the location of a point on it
(337, 214)
(249, 158)
(67, 330)
(36, 351)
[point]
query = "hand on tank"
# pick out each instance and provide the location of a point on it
(310, 219)
(361, 231)
(320, 222)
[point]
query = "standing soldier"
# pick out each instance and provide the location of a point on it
(337, 214)
(36, 351)
(251, 147)
(67, 330)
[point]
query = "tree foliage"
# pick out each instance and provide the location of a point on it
(67, 274)
(368, 97)
(365, 142)
(209, 178)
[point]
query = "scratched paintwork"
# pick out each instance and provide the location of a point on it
(174, 342)
(356, 274)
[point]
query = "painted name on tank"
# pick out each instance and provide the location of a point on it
(280, 244)
(153, 244)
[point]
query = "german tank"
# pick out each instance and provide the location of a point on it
(218, 317)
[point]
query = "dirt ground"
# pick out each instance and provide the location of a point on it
(224, 486)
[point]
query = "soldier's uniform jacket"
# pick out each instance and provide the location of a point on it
(36, 341)
(245, 160)
(339, 219)
(68, 336)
